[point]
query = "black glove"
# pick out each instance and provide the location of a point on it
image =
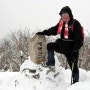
(74, 55)
(39, 33)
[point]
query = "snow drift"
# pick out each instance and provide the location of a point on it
(45, 79)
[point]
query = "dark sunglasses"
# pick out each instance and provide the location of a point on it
(64, 14)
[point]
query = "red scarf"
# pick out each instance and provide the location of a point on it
(66, 33)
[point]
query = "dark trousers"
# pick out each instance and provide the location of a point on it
(51, 47)
(75, 70)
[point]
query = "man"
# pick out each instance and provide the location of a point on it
(69, 43)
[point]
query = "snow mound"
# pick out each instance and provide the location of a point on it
(58, 79)
(28, 64)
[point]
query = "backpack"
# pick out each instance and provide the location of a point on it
(72, 28)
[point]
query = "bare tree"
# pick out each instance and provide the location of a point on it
(11, 46)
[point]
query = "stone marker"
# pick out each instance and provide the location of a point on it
(38, 48)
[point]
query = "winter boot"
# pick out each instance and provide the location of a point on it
(75, 77)
(48, 64)
(51, 60)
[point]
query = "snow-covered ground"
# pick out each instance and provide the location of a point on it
(46, 79)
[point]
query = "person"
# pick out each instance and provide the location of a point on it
(69, 43)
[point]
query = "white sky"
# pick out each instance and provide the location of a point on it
(39, 13)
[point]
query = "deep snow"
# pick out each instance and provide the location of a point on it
(53, 80)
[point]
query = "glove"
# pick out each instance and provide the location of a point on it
(39, 33)
(74, 55)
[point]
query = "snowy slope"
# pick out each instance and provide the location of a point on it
(53, 80)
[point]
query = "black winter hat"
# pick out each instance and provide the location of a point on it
(66, 9)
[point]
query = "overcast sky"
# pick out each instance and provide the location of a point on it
(39, 13)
